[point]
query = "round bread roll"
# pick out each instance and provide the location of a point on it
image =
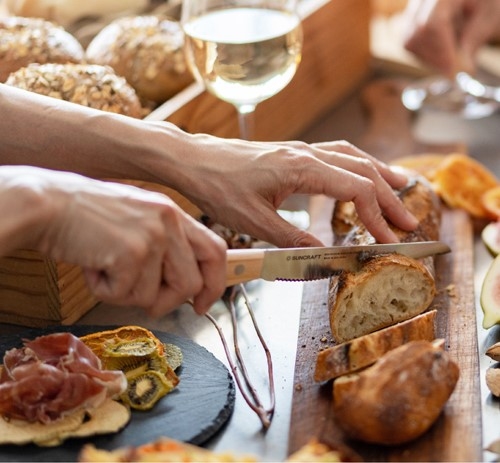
(31, 40)
(147, 51)
(66, 12)
(89, 85)
(399, 398)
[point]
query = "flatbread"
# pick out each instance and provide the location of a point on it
(109, 417)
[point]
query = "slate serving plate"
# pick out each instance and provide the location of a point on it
(194, 412)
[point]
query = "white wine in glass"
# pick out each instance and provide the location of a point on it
(244, 51)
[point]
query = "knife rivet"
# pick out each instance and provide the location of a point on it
(239, 269)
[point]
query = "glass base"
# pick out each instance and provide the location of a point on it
(441, 94)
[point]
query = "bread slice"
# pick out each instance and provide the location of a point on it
(361, 352)
(387, 290)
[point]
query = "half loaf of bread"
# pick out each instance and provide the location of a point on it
(398, 398)
(388, 288)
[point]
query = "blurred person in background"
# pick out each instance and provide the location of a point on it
(446, 34)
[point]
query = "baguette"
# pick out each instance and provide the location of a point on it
(389, 288)
(362, 352)
(398, 398)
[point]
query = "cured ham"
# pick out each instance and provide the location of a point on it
(53, 375)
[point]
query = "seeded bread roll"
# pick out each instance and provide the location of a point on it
(389, 288)
(31, 40)
(398, 398)
(88, 85)
(148, 51)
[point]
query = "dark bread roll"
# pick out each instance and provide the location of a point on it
(32, 40)
(148, 51)
(398, 398)
(88, 85)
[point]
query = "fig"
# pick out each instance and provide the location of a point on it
(490, 295)
(491, 238)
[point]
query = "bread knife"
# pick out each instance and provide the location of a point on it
(303, 264)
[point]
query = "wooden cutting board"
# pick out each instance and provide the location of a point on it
(457, 434)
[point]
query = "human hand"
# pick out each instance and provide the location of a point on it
(245, 183)
(135, 247)
(446, 34)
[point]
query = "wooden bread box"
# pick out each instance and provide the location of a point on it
(36, 291)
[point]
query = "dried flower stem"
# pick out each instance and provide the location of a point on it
(248, 392)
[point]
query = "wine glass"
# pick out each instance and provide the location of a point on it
(464, 95)
(244, 51)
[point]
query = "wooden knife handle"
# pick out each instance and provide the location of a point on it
(243, 265)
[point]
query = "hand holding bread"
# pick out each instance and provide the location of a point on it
(389, 288)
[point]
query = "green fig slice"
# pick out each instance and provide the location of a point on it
(491, 237)
(490, 295)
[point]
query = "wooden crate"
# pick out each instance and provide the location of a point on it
(36, 291)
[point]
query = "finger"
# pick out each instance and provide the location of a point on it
(210, 250)
(144, 292)
(194, 269)
(108, 285)
(181, 279)
(476, 32)
(361, 180)
(395, 177)
(268, 225)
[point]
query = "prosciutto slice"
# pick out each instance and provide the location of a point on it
(53, 375)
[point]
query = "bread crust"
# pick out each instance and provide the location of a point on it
(389, 288)
(88, 85)
(397, 399)
(32, 40)
(361, 352)
(148, 51)
(418, 197)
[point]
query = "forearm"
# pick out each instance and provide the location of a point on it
(50, 133)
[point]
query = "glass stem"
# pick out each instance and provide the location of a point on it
(246, 115)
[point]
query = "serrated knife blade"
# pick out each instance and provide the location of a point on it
(303, 264)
